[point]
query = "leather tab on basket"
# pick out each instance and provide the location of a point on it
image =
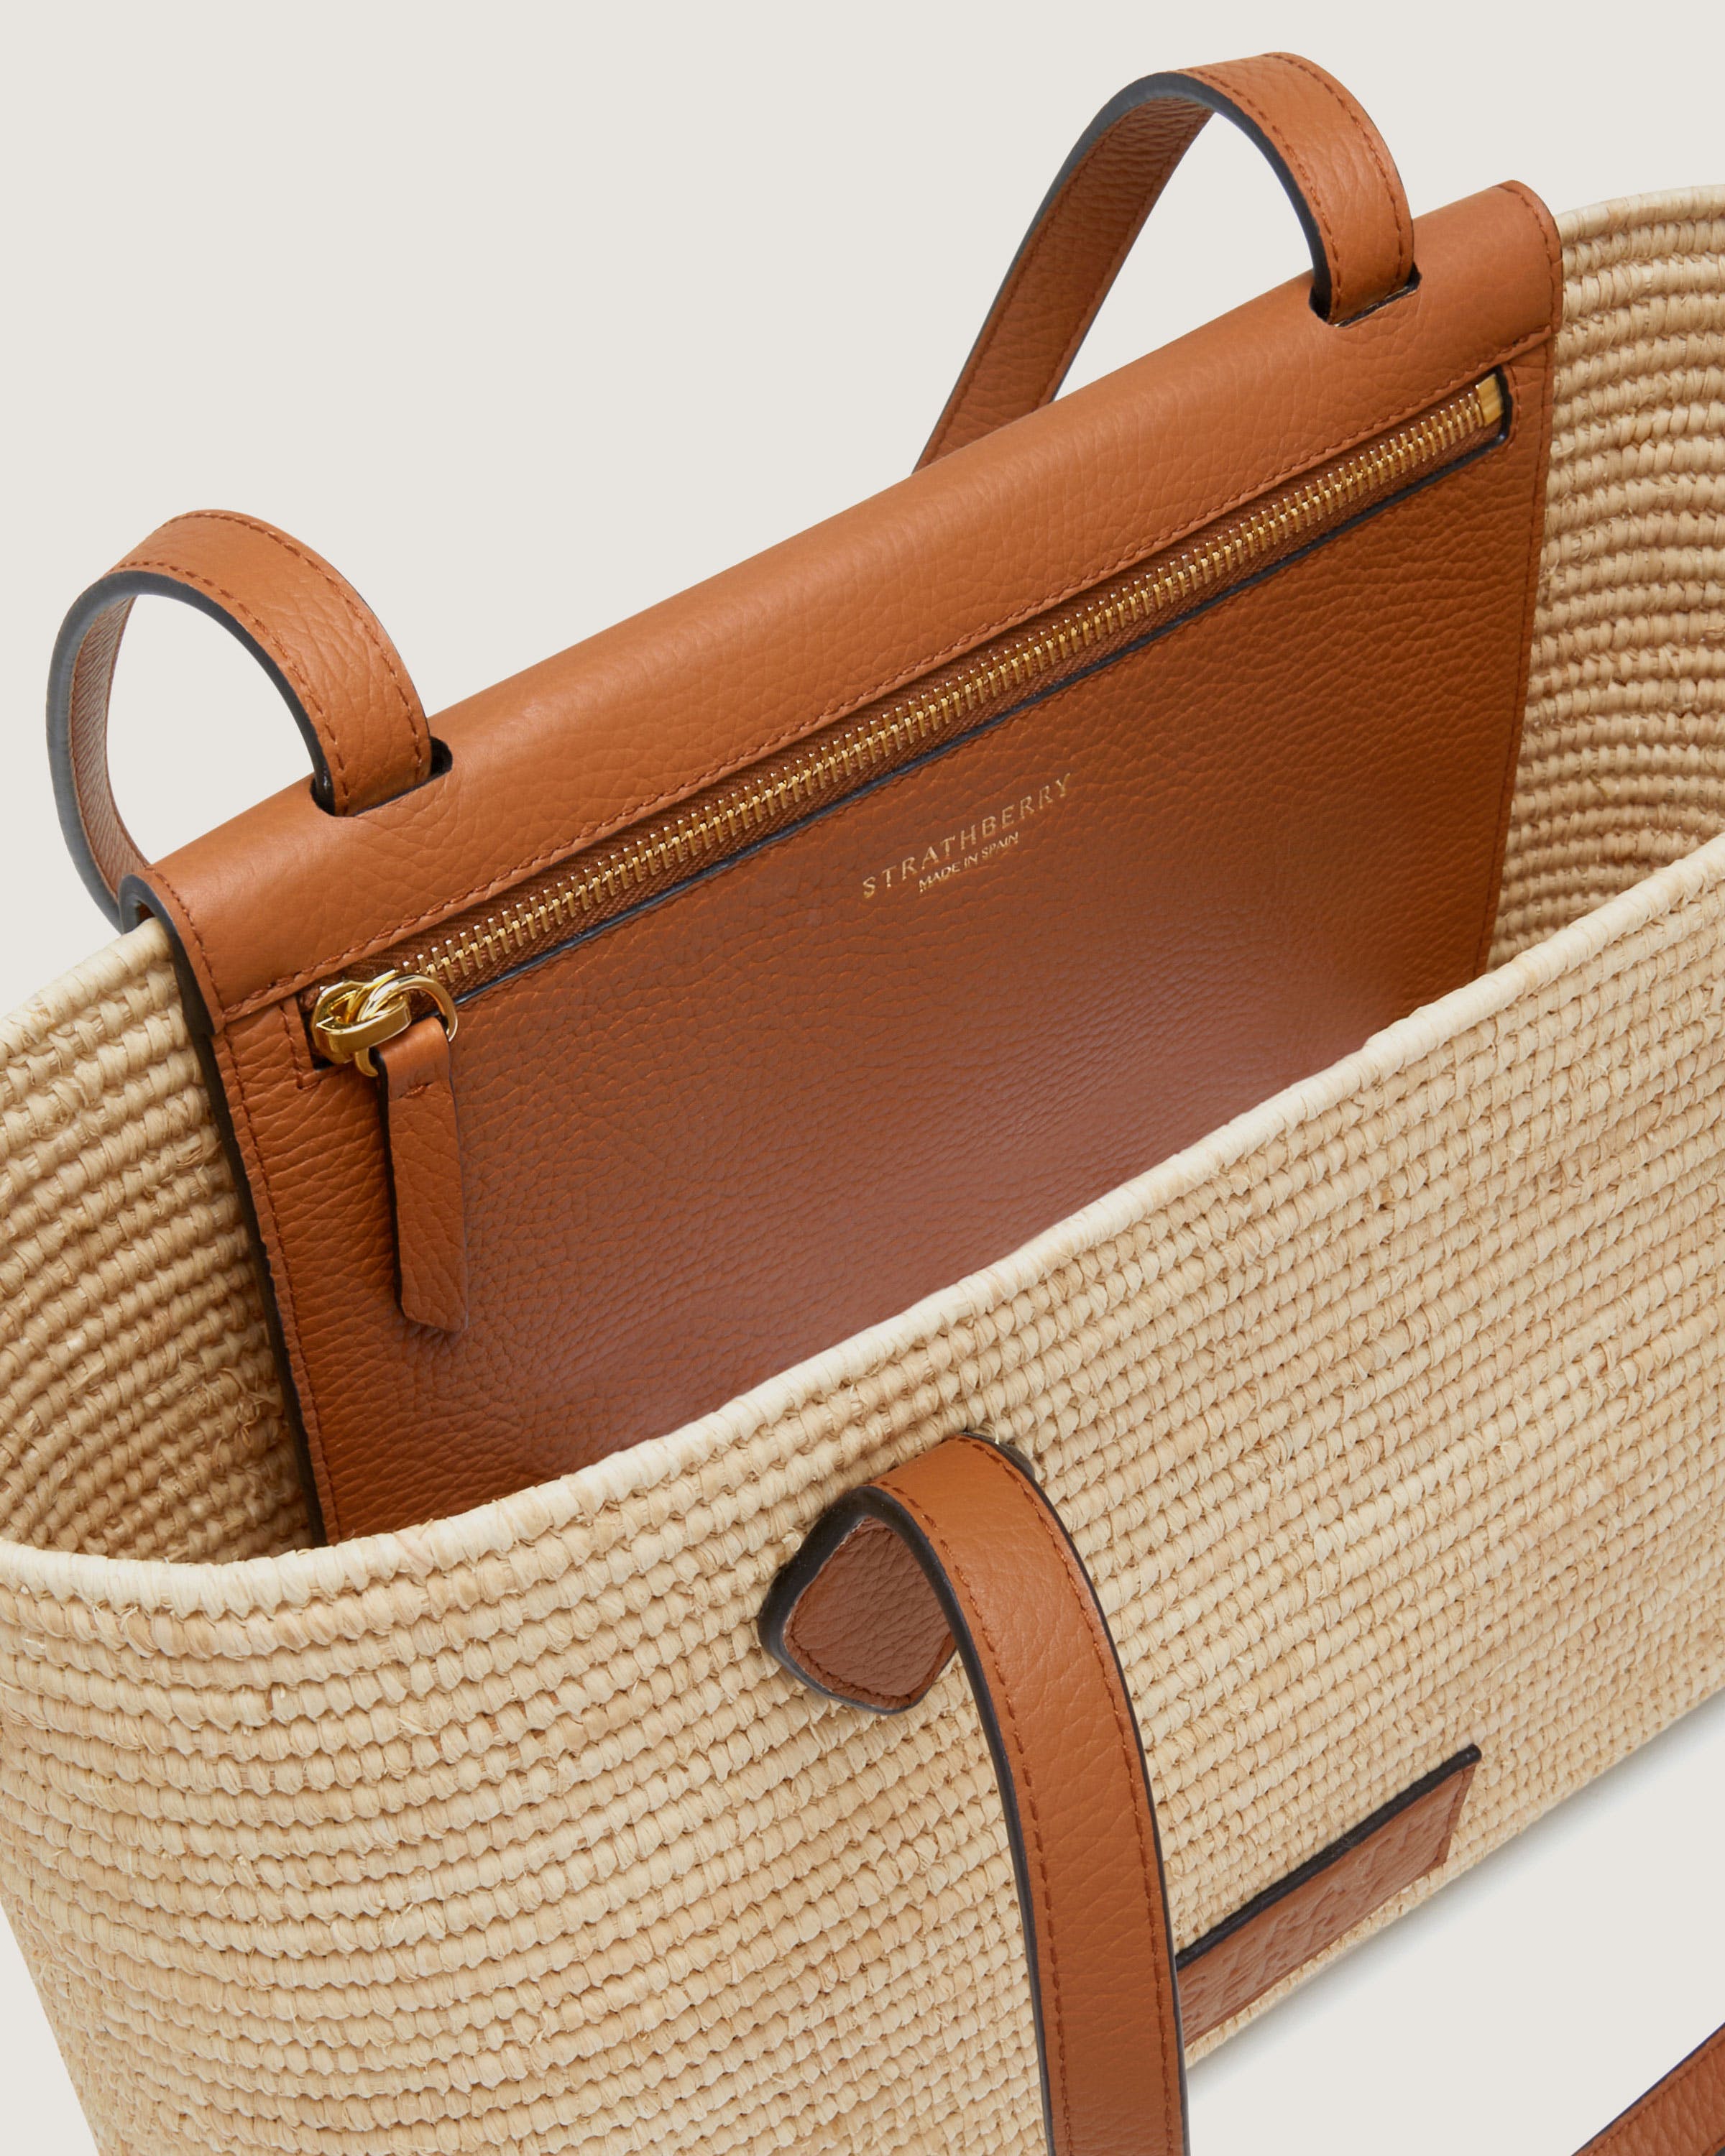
(425, 1176)
(867, 1626)
(1293, 1922)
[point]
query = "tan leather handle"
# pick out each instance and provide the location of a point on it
(312, 632)
(1339, 176)
(959, 1548)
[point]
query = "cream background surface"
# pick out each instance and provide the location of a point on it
(526, 316)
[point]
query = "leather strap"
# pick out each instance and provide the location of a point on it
(1683, 2115)
(960, 1548)
(305, 625)
(852, 1617)
(1339, 176)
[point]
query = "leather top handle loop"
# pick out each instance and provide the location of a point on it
(305, 625)
(960, 1548)
(1339, 176)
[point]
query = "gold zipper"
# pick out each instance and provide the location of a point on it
(605, 880)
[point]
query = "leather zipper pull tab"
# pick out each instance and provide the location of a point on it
(424, 1152)
(370, 1024)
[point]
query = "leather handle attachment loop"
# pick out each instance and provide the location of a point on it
(1330, 160)
(308, 629)
(959, 1548)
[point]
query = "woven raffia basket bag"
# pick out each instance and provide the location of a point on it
(1387, 1420)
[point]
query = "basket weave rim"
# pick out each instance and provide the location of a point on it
(1621, 212)
(259, 1585)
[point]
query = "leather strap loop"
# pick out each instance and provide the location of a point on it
(1332, 161)
(305, 625)
(959, 1548)
(851, 1617)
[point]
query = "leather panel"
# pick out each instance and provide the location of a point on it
(800, 1095)
(647, 713)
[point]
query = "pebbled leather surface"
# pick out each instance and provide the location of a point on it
(1335, 161)
(424, 1154)
(744, 1123)
(646, 713)
(792, 1099)
(1683, 2115)
(348, 686)
(866, 1628)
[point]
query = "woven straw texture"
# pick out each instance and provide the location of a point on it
(1623, 753)
(140, 1414)
(1388, 1418)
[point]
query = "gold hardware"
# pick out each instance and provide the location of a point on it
(605, 880)
(354, 1017)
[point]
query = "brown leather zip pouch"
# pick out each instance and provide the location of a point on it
(660, 1017)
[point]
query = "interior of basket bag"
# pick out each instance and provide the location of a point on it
(140, 1411)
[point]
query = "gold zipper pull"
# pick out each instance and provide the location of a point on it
(352, 1017)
